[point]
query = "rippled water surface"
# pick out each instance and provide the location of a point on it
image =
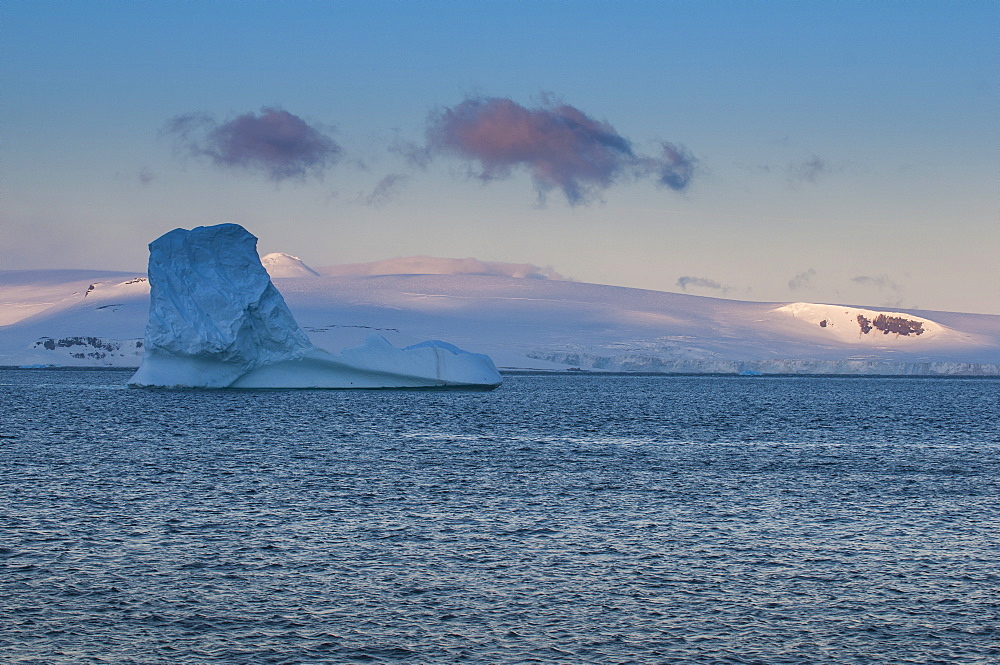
(557, 519)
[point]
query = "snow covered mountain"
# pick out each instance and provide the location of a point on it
(98, 318)
(279, 264)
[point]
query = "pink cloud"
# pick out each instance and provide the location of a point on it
(278, 143)
(559, 145)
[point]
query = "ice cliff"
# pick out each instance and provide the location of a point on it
(216, 321)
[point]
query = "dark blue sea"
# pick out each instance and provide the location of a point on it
(558, 519)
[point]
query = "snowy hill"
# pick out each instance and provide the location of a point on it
(27, 292)
(279, 264)
(65, 318)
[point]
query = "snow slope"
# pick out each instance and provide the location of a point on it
(67, 318)
(536, 324)
(279, 264)
(27, 292)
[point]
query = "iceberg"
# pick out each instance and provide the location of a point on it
(217, 321)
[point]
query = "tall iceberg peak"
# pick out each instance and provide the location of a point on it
(217, 321)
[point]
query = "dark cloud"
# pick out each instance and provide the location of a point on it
(881, 282)
(674, 168)
(686, 282)
(801, 280)
(187, 128)
(385, 190)
(277, 143)
(809, 170)
(144, 176)
(559, 145)
(890, 290)
(428, 265)
(416, 155)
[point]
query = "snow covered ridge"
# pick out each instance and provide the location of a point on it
(281, 265)
(72, 318)
(538, 324)
(216, 321)
(853, 324)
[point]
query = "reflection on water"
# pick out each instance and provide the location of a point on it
(557, 519)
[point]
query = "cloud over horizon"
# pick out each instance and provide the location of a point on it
(559, 145)
(801, 280)
(891, 292)
(808, 170)
(686, 282)
(277, 143)
(385, 190)
(430, 265)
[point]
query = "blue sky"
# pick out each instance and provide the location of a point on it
(836, 152)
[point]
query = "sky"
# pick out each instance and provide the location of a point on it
(842, 152)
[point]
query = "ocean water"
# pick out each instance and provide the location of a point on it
(558, 519)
